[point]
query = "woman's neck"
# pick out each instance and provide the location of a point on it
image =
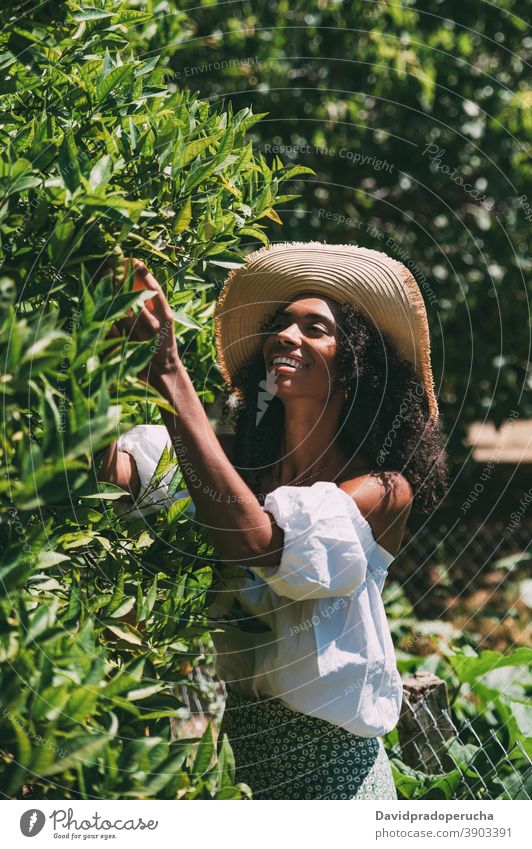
(310, 440)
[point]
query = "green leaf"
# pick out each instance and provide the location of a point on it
(40, 621)
(45, 754)
(47, 559)
(226, 764)
(151, 597)
(41, 346)
(296, 171)
(107, 495)
(146, 67)
(169, 770)
(126, 678)
(227, 143)
(469, 668)
(101, 172)
(80, 750)
(91, 14)
(167, 461)
(118, 76)
(183, 218)
(205, 753)
(123, 608)
(75, 605)
(20, 728)
(244, 120)
(123, 632)
(196, 147)
(49, 702)
(118, 306)
(145, 692)
(75, 539)
(81, 703)
(255, 233)
(200, 174)
(114, 206)
(177, 508)
(68, 161)
(184, 318)
(229, 793)
(60, 241)
(20, 180)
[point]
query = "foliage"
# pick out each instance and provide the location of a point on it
(106, 151)
(86, 718)
(416, 120)
(490, 712)
(102, 156)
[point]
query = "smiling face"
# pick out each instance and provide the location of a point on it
(304, 334)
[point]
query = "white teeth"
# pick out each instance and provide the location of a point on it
(288, 361)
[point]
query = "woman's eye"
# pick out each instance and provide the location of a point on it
(314, 328)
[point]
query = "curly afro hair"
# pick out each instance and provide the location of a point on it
(385, 415)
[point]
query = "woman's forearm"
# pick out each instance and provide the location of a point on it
(239, 529)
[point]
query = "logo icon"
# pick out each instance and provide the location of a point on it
(32, 822)
(269, 387)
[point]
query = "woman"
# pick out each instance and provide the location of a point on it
(337, 439)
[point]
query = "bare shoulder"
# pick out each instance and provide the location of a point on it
(227, 441)
(385, 500)
(119, 468)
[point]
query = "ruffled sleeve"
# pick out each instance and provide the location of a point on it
(146, 444)
(322, 553)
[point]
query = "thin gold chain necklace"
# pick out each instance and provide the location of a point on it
(315, 473)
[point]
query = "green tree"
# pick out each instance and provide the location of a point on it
(103, 156)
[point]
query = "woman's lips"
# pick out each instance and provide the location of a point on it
(284, 368)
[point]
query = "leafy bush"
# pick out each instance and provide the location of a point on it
(101, 156)
(491, 748)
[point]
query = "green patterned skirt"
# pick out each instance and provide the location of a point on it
(284, 754)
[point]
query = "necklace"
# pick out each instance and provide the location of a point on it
(324, 469)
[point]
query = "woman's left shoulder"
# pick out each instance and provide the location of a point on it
(391, 488)
(385, 500)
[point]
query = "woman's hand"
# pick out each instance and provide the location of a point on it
(154, 321)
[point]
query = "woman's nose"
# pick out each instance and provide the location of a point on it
(289, 334)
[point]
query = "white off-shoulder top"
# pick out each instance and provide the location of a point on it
(312, 631)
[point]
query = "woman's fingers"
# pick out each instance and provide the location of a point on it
(144, 279)
(155, 315)
(154, 321)
(140, 327)
(147, 323)
(114, 331)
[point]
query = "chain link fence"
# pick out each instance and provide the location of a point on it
(438, 755)
(475, 776)
(472, 578)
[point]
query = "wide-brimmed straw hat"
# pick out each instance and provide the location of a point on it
(382, 288)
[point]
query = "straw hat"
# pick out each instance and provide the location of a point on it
(382, 288)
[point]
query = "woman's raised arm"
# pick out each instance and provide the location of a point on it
(239, 529)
